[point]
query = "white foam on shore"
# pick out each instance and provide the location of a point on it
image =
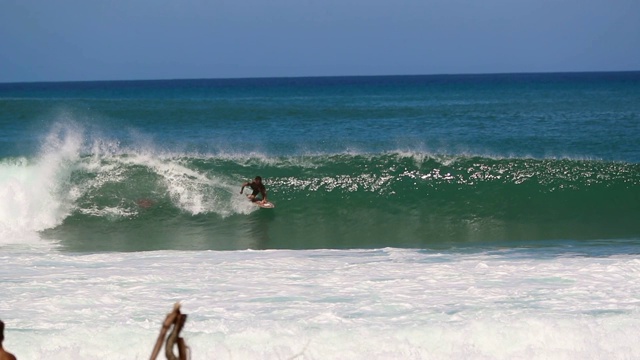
(323, 304)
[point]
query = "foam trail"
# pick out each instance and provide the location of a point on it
(193, 192)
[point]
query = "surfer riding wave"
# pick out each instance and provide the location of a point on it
(258, 189)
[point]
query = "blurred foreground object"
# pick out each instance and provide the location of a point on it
(174, 320)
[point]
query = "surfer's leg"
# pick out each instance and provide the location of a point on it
(252, 197)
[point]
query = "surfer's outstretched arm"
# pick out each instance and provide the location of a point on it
(243, 186)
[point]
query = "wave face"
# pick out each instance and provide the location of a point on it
(106, 197)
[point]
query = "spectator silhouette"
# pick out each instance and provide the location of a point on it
(3, 354)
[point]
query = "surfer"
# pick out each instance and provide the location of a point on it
(4, 355)
(258, 188)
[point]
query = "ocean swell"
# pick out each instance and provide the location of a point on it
(104, 194)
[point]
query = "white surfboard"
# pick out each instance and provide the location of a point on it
(265, 205)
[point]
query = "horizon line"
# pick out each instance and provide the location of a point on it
(321, 76)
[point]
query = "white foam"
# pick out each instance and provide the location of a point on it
(109, 212)
(324, 304)
(190, 190)
(36, 195)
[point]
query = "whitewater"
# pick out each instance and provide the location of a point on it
(326, 304)
(484, 217)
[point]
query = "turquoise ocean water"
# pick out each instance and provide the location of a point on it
(362, 162)
(518, 195)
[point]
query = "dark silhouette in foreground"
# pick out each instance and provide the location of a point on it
(174, 320)
(4, 355)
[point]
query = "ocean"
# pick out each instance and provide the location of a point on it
(417, 217)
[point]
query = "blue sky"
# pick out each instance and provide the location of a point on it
(162, 39)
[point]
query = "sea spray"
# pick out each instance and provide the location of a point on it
(39, 194)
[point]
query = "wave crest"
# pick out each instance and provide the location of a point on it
(76, 183)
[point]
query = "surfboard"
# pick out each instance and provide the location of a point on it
(266, 205)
